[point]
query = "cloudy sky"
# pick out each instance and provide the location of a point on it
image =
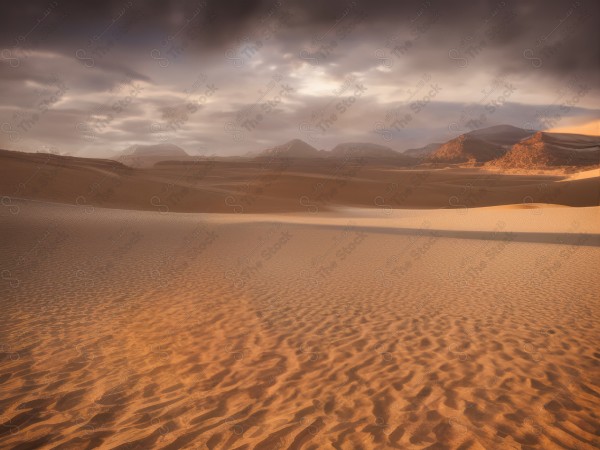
(228, 77)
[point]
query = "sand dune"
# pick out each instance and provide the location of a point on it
(593, 173)
(132, 329)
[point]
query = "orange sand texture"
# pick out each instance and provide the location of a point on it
(464, 328)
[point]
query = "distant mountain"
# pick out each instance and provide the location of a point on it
(155, 150)
(544, 150)
(421, 152)
(148, 155)
(479, 145)
(295, 148)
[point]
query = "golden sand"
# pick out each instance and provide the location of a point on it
(415, 329)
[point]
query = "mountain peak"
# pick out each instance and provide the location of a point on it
(296, 148)
(140, 155)
(297, 141)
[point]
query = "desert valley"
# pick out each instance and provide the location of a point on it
(300, 224)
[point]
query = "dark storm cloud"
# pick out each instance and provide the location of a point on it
(129, 65)
(504, 25)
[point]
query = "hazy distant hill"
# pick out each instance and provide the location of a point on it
(421, 152)
(148, 155)
(296, 148)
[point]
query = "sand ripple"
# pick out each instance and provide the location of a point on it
(138, 330)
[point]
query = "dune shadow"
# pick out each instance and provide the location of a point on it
(571, 239)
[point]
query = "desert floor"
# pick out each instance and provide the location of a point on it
(279, 185)
(355, 328)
